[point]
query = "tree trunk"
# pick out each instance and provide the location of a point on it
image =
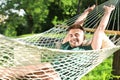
(116, 65)
(78, 8)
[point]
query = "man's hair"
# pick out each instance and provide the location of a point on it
(76, 26)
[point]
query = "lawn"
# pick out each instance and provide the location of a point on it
(101, 72)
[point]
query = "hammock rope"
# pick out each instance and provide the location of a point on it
(43, 47)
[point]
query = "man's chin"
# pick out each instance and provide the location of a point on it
(74, 46)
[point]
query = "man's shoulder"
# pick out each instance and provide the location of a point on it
(65, 46)
(86, 47)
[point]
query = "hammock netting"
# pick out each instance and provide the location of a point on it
(44, 47)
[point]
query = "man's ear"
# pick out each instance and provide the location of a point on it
(84, 37)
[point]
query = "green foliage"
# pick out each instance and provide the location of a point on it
(70, 7)
(39, 15)
(35, 12)
(101, 72)
(116, 77)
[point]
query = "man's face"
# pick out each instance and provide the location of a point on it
(76, 37)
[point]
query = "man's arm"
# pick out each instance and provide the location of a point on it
(83, 16)
(99, 33)
(80, 20)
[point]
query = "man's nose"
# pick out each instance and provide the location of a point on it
(73, 36)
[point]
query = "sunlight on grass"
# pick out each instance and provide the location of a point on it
(25, 35)
(101, 72)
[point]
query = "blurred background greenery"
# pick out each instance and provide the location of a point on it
(18, 17)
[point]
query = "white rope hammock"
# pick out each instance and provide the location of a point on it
(70, 65)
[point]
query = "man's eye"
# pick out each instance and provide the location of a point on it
(70, 35)
(76, 35)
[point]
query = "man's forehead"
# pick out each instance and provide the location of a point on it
(76, 30)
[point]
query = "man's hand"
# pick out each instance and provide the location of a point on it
(89, 9)
(109, 8)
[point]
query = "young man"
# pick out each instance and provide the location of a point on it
(75, 37)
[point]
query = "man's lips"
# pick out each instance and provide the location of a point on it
(74, 41)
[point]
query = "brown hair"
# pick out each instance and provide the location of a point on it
(75, 26)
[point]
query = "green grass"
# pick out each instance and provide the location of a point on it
(25, 35)
(101, 72)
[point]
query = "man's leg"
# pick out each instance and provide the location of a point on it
(106, 43)
(41, 71)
